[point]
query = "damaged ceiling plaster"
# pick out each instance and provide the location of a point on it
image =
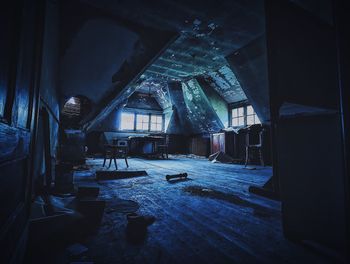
(207, 32)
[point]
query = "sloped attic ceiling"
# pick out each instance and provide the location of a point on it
(101, 53)
(225, 82)
(208, 31)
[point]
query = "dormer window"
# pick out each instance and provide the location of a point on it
(244, 116)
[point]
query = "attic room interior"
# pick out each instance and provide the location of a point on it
(174, 131)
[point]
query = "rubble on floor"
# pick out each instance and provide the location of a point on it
(220, 157)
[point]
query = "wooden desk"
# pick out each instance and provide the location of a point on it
(145, 145)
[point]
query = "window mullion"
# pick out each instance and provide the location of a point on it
(135, 121)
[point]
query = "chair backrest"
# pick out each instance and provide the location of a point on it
(254, 136)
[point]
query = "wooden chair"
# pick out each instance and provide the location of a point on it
(163, 147)
(119, 149)
(257, 133)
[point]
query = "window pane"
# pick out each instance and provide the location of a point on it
(241, 121)
(257, 120)
(127, 121)
(250, 110)
(234, 113)
(156, 122)
(142, 122)
(153, 126)
(250, 120)
(234, 122)
(241, 111)
(142, 118)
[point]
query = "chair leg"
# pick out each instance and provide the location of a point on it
(261, 157)
(110, 162)
(115, 163)
(126, 162)
(104, 161)
(167, 153)
(246, 156)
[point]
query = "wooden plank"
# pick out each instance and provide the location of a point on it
(193, 229)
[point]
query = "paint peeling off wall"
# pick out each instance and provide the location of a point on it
(200, 112)
(226, 84)
(218, 103)
(159, 89)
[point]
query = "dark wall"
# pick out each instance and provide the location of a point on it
(309, 161)
(50, 63)
(21, 27)
(96, 52)
(49, 88)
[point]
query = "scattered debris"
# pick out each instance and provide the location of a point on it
(259, 210)
(176, 176)
(197, 22)
(212, 26)
(220, 157)
(115, 175)
(136, 229)
(249, 168)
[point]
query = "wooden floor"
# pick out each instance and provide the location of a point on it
(190, 228)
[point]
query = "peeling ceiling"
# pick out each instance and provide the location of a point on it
(207, 32)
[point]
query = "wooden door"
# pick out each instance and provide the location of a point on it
(218, 142)
(20, 46)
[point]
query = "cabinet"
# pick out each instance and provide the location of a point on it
(224, 142)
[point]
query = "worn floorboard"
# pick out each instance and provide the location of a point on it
(193, 228)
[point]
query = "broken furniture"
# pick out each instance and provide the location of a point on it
(115, 151)
(176, 176)
(254, 142)
(102, 175)
(220, 157)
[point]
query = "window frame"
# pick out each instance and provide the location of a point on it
(238, 117)
(254, 115)
(156, 123)
(137, 113)
(142, 122)
(245, 106)
(121, 117)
